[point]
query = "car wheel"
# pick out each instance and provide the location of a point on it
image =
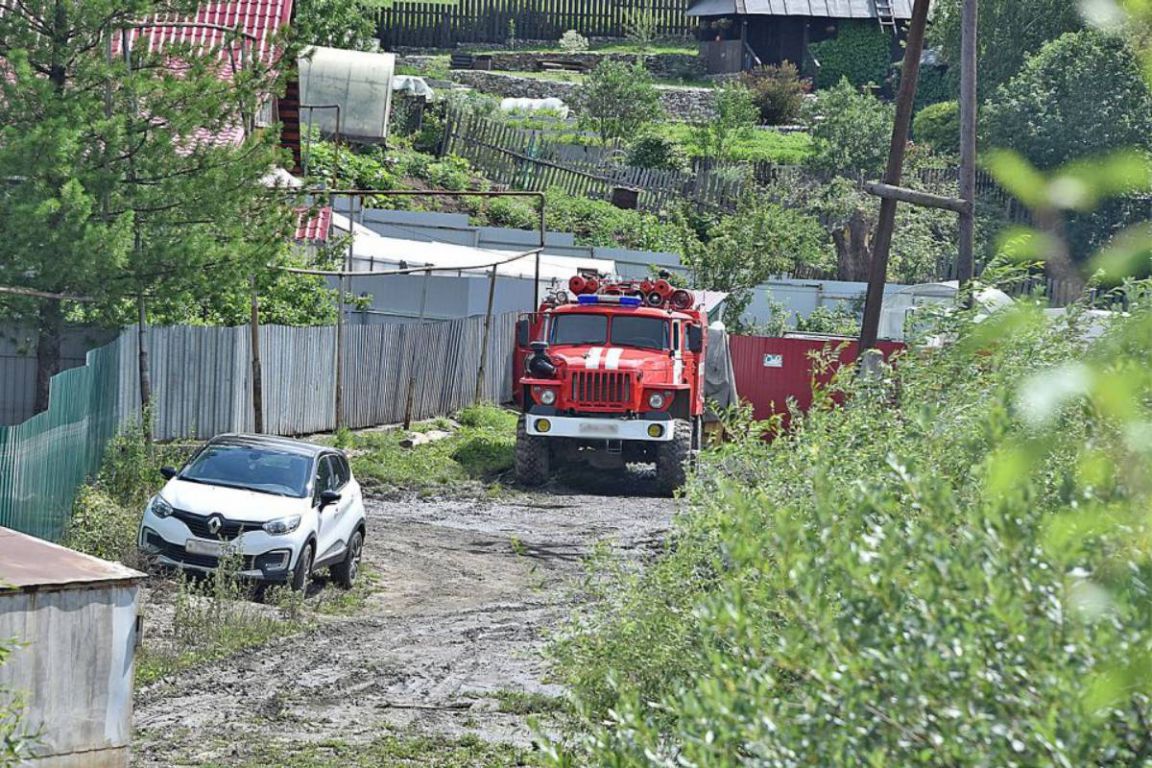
(346, 571)
(303, 569)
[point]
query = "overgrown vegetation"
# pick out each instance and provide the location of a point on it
(13, 740)
(480, 449)
(861, 53)
(215, 617)
(106, 515)
(944, 564)
(953, 560)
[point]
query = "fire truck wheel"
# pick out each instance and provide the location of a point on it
(533, 457)
(673, 456)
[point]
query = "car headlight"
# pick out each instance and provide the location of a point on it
(548, 397)
(282, 525)
(160, 508)
(656, 400)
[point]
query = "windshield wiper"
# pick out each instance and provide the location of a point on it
(221, 484)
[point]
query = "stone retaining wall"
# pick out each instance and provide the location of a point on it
(661, 65)
(679, 103)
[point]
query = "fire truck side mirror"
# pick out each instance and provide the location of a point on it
(695, 339)
(523, 332)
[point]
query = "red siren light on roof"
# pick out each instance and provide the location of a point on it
(681, 300)
(577, 284)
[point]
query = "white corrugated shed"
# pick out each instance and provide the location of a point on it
(836, 9)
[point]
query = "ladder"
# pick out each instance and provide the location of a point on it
(885, 15)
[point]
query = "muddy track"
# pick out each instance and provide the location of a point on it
(465, 595)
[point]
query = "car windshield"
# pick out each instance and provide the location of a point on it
(252, 468)
(643, 332)
(579, 329)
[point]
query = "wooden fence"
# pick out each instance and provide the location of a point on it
(445, 24)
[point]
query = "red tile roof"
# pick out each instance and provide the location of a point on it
(259, 20)
(313, 226)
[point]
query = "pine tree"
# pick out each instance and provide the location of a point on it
(116, 187)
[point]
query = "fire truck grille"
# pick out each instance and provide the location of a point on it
(598, 389)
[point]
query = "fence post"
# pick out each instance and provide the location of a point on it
(412, 357)
(257, 375)
(484, 344)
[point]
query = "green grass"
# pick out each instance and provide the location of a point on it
(388, 751)
(524, 703)
(480, 450)
(761, 146)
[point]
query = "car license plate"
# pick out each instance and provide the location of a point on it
(607, 428)
(198, 547)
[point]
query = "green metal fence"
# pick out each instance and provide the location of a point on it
(45, 460)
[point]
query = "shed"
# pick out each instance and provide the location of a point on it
(73, 618)
(740, 34)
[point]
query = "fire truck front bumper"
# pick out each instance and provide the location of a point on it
(581, 428)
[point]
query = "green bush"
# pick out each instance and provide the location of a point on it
(597, 222)
(106, 512)
(949, 570)
(1081, 94)
(778, 93)
(938, 126)
(861, 53)
(657, 152)
(851, 132)
(512, 212)
(617, 100)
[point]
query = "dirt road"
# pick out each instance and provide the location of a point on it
(466, 592)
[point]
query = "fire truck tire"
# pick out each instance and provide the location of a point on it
(533, 458)
(672, 458)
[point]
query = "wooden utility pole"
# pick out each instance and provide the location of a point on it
(487, 332)
(882, 245)
(965, 268)
(257, 375)
(142, 362)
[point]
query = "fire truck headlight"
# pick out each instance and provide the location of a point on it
(656, 400)
(543, 425)
(548, 397)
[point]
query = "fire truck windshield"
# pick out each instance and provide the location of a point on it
(642, 332)
(580, 329)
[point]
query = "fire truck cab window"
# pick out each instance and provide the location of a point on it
(643, 332)
(579, 329)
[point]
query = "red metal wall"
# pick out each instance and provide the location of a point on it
(769, 371)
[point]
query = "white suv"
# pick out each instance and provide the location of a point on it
(286, 507)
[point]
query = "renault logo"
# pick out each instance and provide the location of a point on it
(215, 523)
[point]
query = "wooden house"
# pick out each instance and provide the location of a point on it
(741, 34)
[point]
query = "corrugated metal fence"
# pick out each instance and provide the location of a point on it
(201, 387)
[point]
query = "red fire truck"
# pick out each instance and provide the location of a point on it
(611, 373)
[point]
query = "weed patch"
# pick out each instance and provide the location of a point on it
(529, 703)
(390, 751)
(480, 449)
(107, 512)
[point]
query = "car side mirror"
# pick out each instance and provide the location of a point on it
(328, 498)
(169, 472)
(695, 339)
(523, 332)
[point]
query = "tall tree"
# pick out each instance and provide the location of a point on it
(339, 23)
(1009, 30)
(123, 177)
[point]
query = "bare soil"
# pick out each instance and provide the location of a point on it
(465, 595)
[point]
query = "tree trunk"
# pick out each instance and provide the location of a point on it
(854, 247)
(49, 328)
